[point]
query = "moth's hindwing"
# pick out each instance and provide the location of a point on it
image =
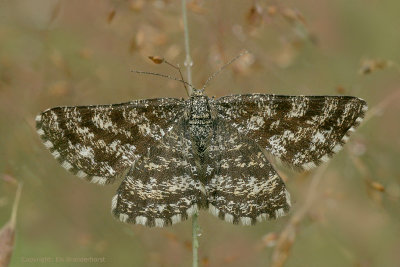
(160, 189)
(244, 188)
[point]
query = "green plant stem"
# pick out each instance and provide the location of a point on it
(188, 61)
(15, 206)
(188, 65)
(195, 241)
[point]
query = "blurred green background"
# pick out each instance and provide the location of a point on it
(55, 53)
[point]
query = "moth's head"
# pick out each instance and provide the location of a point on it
(197, 92)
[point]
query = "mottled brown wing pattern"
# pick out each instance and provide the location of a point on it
(160, 188)
(99, 143)
(244, 187)
(168, 179)
(301, 131)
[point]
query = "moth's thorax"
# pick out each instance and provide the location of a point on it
(200, 121)
(199, 112)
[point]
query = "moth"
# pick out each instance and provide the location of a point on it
(176, 156)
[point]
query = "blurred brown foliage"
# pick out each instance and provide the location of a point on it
(7, 233)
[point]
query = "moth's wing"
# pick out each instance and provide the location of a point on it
(301, 131)
(244, 188)
(160, 190)
(99, 143)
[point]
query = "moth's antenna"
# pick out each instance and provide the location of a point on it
(158, 60)
(177, 67)
(222, 68)
(164, 76)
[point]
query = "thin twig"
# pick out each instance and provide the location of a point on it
(379, 108)
(195, 240)
(188, 65)
(7, 233)
(188, 61)
(15, 206)
(288, 235)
